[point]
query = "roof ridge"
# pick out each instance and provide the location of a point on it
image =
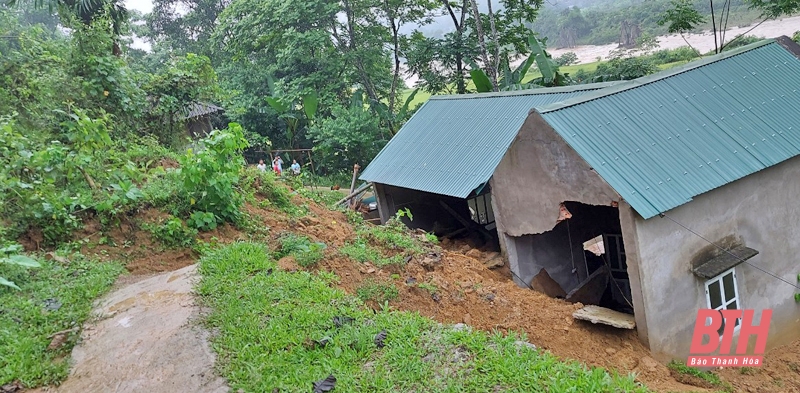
(527, 92)
(646, 80)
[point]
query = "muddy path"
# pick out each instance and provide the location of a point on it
(146, 338)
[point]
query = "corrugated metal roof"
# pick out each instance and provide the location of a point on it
(197, 109)
(661, 140)
(453, 143)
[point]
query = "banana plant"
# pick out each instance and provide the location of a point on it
(309, 103)
(512, 80)
(393, 120)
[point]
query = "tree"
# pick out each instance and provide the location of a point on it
(185, 26)
(88, 12)
(399, 13)
(492, 39)
(512, 80)
(683, 17)
(182, 83)
(352, 134)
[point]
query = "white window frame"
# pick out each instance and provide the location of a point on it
(723, 296)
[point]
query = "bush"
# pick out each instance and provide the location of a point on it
(209, 177)
(11, 256)
(173, 233)
(566, 59)
(666, 56)
(626, 68)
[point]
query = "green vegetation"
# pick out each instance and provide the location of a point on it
(394, 235)
(707, 376)
(209, 177)
(280, 330)
(305, 252)
(172, 232)
(380, 293)
(57, 297)
(10, 256)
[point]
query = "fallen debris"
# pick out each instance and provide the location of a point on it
(591, 290)
(597, 314)
(325, 385)
(380, 338)
(545, 284)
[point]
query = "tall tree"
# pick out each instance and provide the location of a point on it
(682, 16)
(397, 14)
(185, 26)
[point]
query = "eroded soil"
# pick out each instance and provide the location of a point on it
(460, 289)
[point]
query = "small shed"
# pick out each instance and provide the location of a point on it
(198, 119)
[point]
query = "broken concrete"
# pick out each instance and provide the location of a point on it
(545, 284)
(145, 341)
(597, 314)
(591, 290)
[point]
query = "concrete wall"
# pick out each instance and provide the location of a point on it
(760, 211)
(538, 172)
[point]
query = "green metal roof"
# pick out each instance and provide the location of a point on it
(453, 143)
(661, 140)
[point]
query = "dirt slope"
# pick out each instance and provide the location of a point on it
(466, 292)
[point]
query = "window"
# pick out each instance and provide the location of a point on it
(722, 294)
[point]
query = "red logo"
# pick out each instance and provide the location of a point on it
(724, 325)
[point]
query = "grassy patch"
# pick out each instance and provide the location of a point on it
(305, 252)
(172, 233)
(362, 252)
(284, 331)
(711, 378)
(379, 292)
(53, 298)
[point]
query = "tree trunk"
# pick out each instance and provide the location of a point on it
(368, 86)
(461, 87)
(496, 64)
(396, 76)
(481, 40)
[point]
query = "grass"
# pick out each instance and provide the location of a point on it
(281, 331)
(709, 377)
(362, 252)
(377, 291)
(26, 322)
(305, 252)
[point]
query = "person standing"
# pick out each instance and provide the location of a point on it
(278, 164)
(261, 166)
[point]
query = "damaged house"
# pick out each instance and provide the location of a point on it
(439, 165)
(654, 197)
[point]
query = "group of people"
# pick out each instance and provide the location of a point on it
(277, 166)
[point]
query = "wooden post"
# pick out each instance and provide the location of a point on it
(352, 203)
